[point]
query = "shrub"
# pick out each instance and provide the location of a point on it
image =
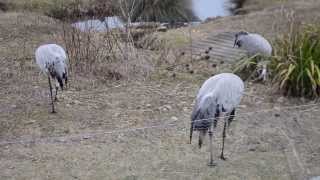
(236, 6)
(64, 9)
(3, 6)
(161, 11)
(296, 62)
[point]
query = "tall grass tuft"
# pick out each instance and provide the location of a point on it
(162, 11)
(236, 6)
(296, 64)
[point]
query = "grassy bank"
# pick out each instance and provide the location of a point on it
(61, 9)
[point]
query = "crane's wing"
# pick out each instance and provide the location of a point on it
(202, 114)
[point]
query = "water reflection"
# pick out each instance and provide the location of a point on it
(203, 9)
(98, 25)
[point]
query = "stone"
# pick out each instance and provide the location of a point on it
(281, 100)
(173, 118)
(168, 107)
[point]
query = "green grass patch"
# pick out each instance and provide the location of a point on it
(296, 62)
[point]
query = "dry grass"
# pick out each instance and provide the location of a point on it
(67, 10)
(38, 5)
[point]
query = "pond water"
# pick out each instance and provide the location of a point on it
(98, 25)
(210, 8)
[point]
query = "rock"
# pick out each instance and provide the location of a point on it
(117, 115)
(66, 131)
(148, 105)
(76, 102)
(281, 100)
(162, 29)
(86, 137)
(242, 106)
(173, 118)
(303, 100)
(259, 102)
(31, 121)
(166, 108)
(277, 108)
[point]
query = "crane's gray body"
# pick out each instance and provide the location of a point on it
(51, 58)
(220, 93)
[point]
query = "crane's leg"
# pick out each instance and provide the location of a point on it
(213, 125)
(202, 134)
(66, 81)
(211, 163)
(223, 138)
(56, 96)
(51, 97)
(191, 131)
(231, 117)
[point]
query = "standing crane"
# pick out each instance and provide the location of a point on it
(51, 58)
(219, 94)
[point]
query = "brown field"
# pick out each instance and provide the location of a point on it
(138, 129)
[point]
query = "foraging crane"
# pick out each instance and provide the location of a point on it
(219, 94)
(254, 44)
(51, 58)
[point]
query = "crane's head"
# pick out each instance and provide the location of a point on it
(237, 40)
(58, 71)
(62, 77)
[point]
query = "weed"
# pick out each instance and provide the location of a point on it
(296, 62)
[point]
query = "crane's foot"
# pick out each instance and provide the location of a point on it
(53, 112)
(222, 157)
(212, 164)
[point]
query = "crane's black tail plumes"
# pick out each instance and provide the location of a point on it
(200, 121)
